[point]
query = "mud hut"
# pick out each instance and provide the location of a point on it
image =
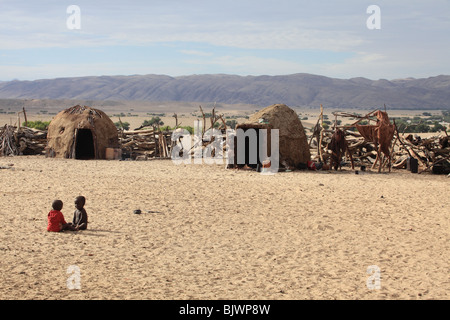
(293, 143)
(81, 133)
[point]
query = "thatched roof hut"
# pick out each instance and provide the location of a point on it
(81, 133)
(293, 143)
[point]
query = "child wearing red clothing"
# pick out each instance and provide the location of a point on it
(56, 222)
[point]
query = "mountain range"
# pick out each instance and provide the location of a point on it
(296, 90)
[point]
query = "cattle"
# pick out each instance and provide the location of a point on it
(380, 135)
(339, 146)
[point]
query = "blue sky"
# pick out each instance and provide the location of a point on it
(245, 37)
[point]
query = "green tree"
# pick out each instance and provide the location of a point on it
(125, 125)
(446, 115)
(437, 127)
(231, 123)
(188, 128)
(422, 128)
(153, 122)
(38, 124)
(401, 125)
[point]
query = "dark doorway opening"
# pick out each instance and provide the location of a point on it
(250, 145)
(84, 145)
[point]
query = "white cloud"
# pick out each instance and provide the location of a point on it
(410, 43)
(249, 65)
(127, 25)
(380, 66)
(196, 53)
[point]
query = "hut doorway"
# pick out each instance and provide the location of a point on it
(248, 138)
(84, 144)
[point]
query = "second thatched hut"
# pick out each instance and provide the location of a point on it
(293, 142)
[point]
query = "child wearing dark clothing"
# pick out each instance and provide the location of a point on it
(56, 222)
(80, 218)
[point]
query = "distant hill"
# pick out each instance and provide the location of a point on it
(303, 90)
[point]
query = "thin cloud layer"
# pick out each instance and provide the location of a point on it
(230, 37)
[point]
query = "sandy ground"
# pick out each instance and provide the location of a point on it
(210, 233)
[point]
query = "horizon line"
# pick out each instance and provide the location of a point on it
(220, 74)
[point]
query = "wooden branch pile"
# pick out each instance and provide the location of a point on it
(205, 142)
(8, 145)
(22, 141)
(147, 143)
(363, 152)
(430, 152)
(31, 141)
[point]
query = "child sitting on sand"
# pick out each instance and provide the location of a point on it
(56, 222)
(80, 218)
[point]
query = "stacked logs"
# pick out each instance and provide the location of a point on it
(432, 154)
(144, 144)
(363, 152)
(22, 141)
(31, 141)
(8, 145)
(138, 144)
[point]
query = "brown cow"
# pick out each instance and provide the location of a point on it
(381, 135)
(338, 146)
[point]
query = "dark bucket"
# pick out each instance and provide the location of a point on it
(413, 165)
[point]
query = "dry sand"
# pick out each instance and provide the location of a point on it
(210, 233)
